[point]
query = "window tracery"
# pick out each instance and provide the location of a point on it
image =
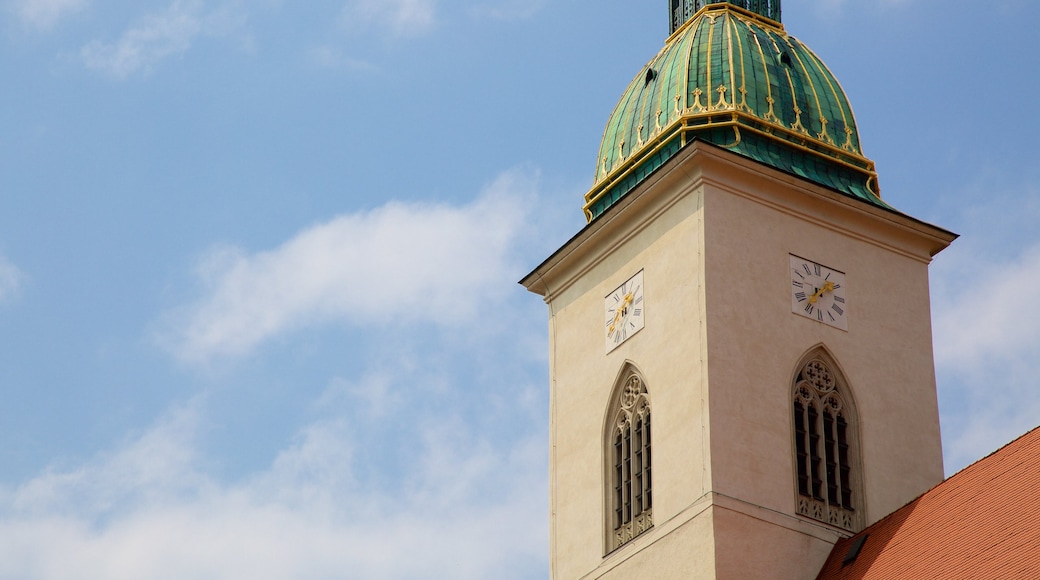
(630, 479)
(824, 451)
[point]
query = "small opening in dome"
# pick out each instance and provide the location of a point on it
(785, 59)
(650, 76)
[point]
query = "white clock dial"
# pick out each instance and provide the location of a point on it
(818, 292)
(624, 312)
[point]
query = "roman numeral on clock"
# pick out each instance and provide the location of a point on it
(818, 292)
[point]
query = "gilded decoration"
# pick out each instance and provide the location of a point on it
(697, 107)
(738, 80)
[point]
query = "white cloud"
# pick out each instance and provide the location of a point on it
(398, 17)
(10, 278)
(990, 314)
(156, 463)
(404, 468)
(157, 37)
(149, 510)
(43, 14)
(399, 262)
(986, 326)
(374, 392)
(987, 348)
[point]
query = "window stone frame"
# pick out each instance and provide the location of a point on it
(832, 492)
(628, 487)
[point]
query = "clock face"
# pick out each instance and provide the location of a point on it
(624, 311)
(818, 292)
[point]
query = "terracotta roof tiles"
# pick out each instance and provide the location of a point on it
(983, 522)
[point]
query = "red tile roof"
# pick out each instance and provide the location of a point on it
(983, 522)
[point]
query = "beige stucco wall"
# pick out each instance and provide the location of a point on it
(712, 233)
(751, 542)
(668, 352)
(680, 554)
(755, 342)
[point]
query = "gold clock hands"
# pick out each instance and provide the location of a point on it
(620, 310)
(827, 287)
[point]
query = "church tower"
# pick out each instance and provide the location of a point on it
(741, 366)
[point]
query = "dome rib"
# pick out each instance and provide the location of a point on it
(735, 79)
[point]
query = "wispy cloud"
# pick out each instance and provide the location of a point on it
(43, 14)
(158, 463)
(401, 468)
(399, 262)
(992, 317)
(157, 37)
(10, 278)
(987, 329)
(395, 17)
(149, 509)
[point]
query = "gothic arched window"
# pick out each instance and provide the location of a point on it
(824, 442)
(629, 461)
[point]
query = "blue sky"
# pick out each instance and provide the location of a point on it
(258, 260)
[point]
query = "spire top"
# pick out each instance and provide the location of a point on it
(682, 10)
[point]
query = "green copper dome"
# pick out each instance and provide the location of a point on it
(731, 76)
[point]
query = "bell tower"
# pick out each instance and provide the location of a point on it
(741, 367)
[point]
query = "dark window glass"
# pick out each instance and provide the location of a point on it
(646, 469)
(814, 453)
(637, 482)
(801, 457)
(618, 481)
(627, 478)
(843, 460)
(830, 452)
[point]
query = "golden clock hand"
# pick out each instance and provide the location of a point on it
(621, 309)
(617, 313)
(827, 287)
